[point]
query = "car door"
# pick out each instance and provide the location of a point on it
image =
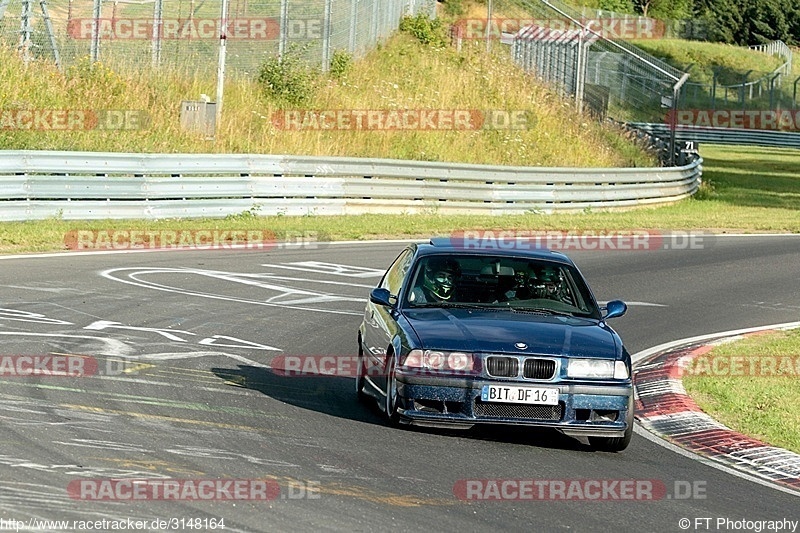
(381, 326)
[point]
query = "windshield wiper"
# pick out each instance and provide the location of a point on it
(541, 310)
(449, 305)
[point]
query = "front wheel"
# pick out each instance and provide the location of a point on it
(390, 404)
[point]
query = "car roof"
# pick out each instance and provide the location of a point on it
(456, 245)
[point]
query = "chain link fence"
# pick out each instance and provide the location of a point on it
(775, 89)
(186, 33)
(588, 61)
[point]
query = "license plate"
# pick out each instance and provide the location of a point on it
(529, 395)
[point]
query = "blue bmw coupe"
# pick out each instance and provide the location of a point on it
(454, 337)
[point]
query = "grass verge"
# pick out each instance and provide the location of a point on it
(757, 405)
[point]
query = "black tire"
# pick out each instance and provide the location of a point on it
(390, 402)
(360, 375)
(616, 444)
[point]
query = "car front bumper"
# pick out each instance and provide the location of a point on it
(590, 410)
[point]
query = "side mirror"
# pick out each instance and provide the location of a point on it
(380, 296)
(615, 308)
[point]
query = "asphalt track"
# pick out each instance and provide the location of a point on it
(197, 332)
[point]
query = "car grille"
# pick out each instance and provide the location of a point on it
(539, 368)
(508, 367)
(502, 367)
(511, 410)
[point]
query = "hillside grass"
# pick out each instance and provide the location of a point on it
(402, 74)
(732, 62)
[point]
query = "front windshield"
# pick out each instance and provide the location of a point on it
(521, 284)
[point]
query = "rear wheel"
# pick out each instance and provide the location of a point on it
(390, 405)
(616, 444)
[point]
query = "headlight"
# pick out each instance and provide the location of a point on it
(439, 360)
(597, 369)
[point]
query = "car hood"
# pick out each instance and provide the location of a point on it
(499, 330)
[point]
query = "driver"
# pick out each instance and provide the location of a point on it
(438, 283)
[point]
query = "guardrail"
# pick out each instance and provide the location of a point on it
(92, 185)
(743, 137)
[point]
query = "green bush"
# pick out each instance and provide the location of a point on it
(454, 8)
(288, 80)
(425, 29)
(340, 63)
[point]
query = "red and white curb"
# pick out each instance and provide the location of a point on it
(664, 408)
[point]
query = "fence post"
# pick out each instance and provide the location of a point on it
(373, 31)
(94, 49)
(794, 93)
(158, 20)
(353, 25)
(676, 91)
(223, 42)
(714, 90)
(326, 37)
(744, 84)
(284, 29)
(772, 84)
(26, 31)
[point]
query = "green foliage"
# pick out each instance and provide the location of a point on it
(617, 6)
(748, 22)
(426, 30)
(454, 8)
(86, 77)
(288, 80)
(247, 214)
(341, 62)
(665, 9)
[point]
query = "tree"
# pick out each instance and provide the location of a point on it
(665, 9)
(617, 6)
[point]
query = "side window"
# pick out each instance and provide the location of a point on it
(393, 279)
